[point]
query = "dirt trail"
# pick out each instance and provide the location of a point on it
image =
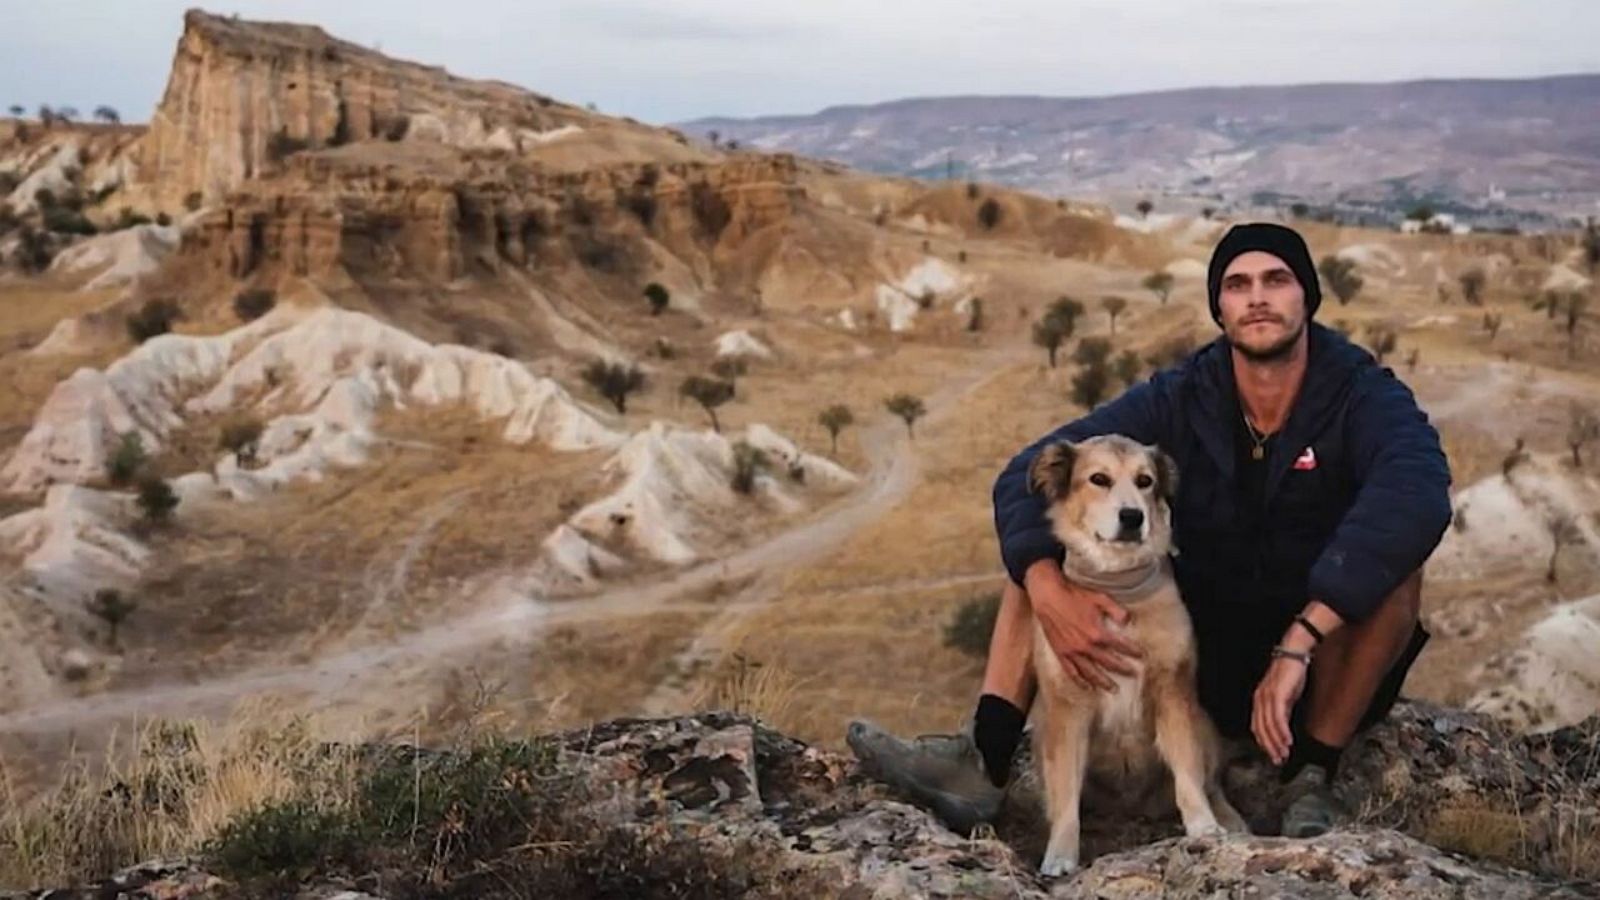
(506, 614)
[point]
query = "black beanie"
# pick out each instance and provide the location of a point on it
(1281, 241)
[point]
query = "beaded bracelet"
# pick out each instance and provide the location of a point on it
(1286, 653)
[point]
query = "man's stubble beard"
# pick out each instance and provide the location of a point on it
(1278, 351)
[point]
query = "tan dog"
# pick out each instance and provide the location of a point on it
(1109, 501)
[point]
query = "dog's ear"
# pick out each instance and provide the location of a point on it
(1166, 475)
(1051, 472)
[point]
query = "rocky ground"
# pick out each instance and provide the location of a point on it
(721, 805)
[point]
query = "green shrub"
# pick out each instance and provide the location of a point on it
(126, 460)
(156, 500)
(153, 318)
(253, 304)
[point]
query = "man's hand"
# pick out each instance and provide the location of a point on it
(1074, 623)
(1275, 696)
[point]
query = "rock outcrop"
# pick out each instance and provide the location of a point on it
(786, 820)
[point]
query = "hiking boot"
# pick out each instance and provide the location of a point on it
(1312, 807)
(940, 772)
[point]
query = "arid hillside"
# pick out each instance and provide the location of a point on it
(420, 402)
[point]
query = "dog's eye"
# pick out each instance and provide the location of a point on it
(1100, 479)
(1143, 481)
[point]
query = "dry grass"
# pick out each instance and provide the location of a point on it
(164, 791)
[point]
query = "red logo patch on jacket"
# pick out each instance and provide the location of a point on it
(1306, 461)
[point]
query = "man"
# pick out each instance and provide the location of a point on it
(1311, 491)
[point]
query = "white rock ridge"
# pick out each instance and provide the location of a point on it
(676, 488)
(742, 343)
(315, 377)
(121, 256)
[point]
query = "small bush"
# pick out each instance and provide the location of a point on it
(614, 381)
(836, 418)
(34, 251)
(193, 200)
(153, 318)
(282, 841)
(748, 461)
(62, 220)
(110, 606)
(907, 408)
(157, 500)
(126, 460)
(972, 625)
(989, 214)
(253, 304)
(710, 393)
(242, 438)
(730, 368)
(658, 297)
(127, 218)
(163, 219)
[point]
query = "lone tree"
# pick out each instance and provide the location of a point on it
(908, 408)
(658, 297)
(242, 438)
(614, 381)
(111, 607)
(1160, 284)
(1207, 212)
(107, 115)
(126, 460)
(17, 109)
(1491, 324)
(836, 418)
(1066, 309)
(156, 499)
(1144, 207)
(1049, 333)
(67, 113)
(1382, 339)
(1340, 274)
(989, 214)
(1582, 427)
(1127, 368)
(1093, 378)
(1113, 305)
(710, 393)
(1472, 282)
(1591, 244)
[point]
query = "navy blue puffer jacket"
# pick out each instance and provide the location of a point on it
(1346, 532)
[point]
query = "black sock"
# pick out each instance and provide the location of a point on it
(997, 729)
(1308, 751)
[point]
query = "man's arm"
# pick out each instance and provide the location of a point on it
(1024, 532)
(1402, 503)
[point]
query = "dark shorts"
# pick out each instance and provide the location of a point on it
(1228, 677)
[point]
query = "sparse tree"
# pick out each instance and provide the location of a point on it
(107, 115)
(1092, 381)
(1382, 339)
(658, 297)
(710, 393)
(111, 607)
(748, 461)
(975, 314)
(17, 109)
(972, 190)
(1127, 368)
(1491, 324)
(1160, 284)
(836, 418)
(1299, 210)
(1591, 245)
(614, 381)
(156, 499)
(908, 408)
(1068, 310)
(1583, 426)
(1340, 274)
(47, 115)
(67, 113)
(715, 137)
(1144, 207)
(989, 214)
(1472, 283)
(125, 461)
(1171, 351)
(1113, 305)
(1207, 212)
(1049, 333)
(242, 438)
(1421, 213)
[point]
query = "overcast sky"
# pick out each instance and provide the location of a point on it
(668, 61)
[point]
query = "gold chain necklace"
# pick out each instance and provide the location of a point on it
(1259, 439)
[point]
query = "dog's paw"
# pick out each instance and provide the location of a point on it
(1058, 866)
(1210, 828)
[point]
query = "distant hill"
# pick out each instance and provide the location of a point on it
(1512, 150)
